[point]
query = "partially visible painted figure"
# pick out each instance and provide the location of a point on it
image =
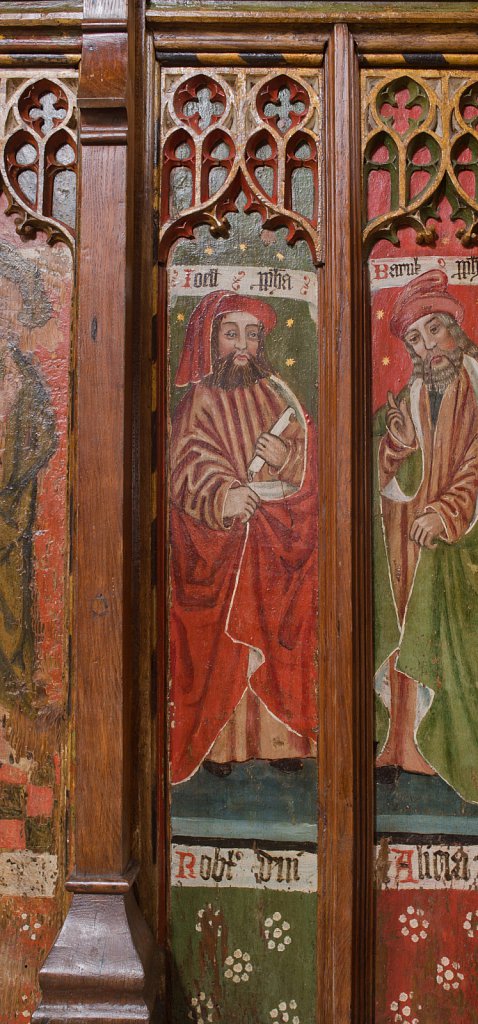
(426, 546)
(27, 442)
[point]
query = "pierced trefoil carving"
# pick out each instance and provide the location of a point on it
(420, 139)
(241, 131)
(38, 152)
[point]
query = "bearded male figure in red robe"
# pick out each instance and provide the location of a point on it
(243, 550)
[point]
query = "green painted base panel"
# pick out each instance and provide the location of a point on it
(243, 957)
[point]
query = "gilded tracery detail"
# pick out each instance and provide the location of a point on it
(38, 151)
(420, 139)
(241, 130)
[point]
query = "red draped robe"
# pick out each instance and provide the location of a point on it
(244, 596)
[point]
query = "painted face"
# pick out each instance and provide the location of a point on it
(239, 334)
(431, 340)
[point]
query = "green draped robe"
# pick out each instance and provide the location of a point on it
(436, 633)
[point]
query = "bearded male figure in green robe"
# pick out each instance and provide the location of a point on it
(27, 442)
(426, 546)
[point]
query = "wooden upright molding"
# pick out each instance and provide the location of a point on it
(345, 768)
(102, 966)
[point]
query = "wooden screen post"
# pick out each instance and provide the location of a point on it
(101, 967)
(345, 713)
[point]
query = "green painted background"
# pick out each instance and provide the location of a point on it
(239, 919)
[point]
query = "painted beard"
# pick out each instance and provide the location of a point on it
(438, 379)
(227, 374)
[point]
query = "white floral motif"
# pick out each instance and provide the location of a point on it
(274, 928)
(469, 924)
(449, 974)
(284, 1013)
(202, 1009)
(403, 1010)
(211, 916)
(238, 966)
(30, 926)
(414, 924)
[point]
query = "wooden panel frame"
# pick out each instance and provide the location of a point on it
(113, 553)
(103, 965)
(345, 916)
(345, 762)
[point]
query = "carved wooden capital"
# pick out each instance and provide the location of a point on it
(102, 91)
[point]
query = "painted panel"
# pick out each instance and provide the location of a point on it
(242, 364)
(35, 309)
(35, 282)
(420, 142)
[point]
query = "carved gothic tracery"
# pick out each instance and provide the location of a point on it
(241, 130)
(38, 151)
(420, 144)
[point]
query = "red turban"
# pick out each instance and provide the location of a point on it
(196, 360)
(425, 294)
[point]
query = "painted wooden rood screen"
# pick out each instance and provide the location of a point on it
(238, 512)
(241, 233)
(419, 135)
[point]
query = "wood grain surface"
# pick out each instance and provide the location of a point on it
(310, 12)
(344, 787)
(102, 966)
(120, 635)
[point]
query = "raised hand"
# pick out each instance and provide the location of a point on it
(240, 503)
(399, 421)
(272, 450)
